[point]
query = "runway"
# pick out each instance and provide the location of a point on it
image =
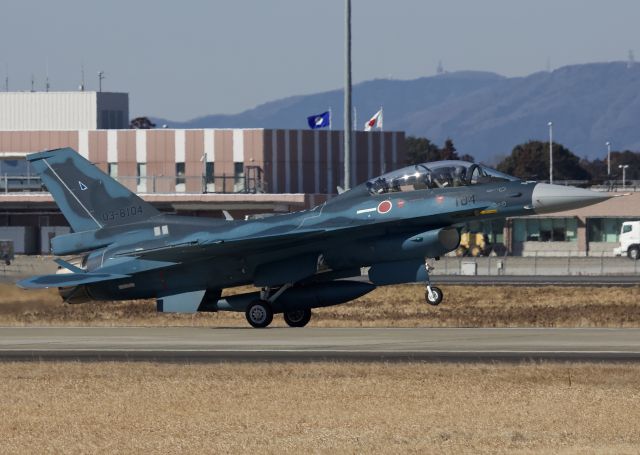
(186, 344)
(538, 280)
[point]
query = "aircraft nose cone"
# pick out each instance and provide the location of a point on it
(555, 198)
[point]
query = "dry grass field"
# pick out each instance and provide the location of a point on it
(319, 408)
(392, 306)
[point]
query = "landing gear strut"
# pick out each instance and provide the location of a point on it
(433, 295)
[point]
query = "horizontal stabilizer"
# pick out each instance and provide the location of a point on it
(67, 279)
(67, 265)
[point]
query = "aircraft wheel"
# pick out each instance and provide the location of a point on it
(259, 314)
(634, 253)
(298, 318)
(437, 296)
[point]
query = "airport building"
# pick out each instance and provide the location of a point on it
(244, 171)
(590, 231)
(60, 111)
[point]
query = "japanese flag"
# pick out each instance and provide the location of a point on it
(374, 122)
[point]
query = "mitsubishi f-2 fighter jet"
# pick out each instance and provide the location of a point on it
(387, 226)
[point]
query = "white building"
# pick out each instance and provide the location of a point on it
(63, 111)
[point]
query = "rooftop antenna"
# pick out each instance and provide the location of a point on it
(440, 69)
(100, 77)
(46, 81)
(81, 87)
(632, 60)
(33, 83)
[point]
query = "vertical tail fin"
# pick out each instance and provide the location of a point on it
(88, 198)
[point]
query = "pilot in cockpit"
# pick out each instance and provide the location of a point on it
(459, 176)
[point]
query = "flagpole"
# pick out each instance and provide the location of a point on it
(382, 122)
(330, 119)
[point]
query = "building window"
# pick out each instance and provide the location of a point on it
(112, 169)
(494, 230)
(238, 170)
(209, 171)
(141, 177)
(545, 230)
(238, 174)
(605, 229)
(180, 179)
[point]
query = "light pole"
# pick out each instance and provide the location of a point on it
(608, 159)
(550, 125)
(624, 175)
(347, 95)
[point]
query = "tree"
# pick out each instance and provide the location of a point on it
(598, 167)
(422, 150)
(141, 123)
(530, 161)
(448, 151)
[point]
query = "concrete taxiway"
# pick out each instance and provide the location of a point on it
(285, 344)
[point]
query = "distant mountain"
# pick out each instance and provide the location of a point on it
(484, 113)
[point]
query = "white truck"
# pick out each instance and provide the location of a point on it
(629, 240)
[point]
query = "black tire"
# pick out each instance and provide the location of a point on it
(633, 253)
(297, 318)
(438, 293)
(259, 314)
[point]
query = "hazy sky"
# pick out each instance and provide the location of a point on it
(183, 59)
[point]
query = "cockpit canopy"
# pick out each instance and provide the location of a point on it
(438, 174)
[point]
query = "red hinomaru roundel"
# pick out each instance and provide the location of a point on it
(385, 206)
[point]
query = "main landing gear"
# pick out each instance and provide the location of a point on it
(433, 295)
(259, 313)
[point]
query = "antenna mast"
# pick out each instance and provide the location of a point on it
(100, 77)
(46, 81)
(81, 76)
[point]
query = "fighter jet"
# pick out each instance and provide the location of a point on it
(388, 226)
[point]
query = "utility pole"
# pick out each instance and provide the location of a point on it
(550, 125)
(347, 95)
(608, 144)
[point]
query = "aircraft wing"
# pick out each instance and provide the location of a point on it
(182, 252)
(66, 279)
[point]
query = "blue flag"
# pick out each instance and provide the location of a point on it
(319, 121)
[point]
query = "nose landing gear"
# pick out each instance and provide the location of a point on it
(433, 295)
